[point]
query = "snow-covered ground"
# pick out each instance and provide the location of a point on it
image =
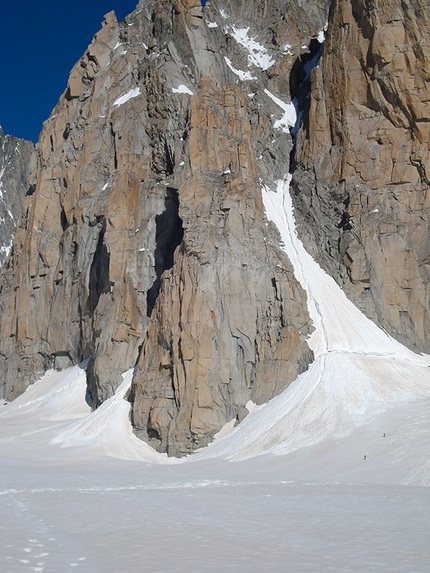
(333, 475)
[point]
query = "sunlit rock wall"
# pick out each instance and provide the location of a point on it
(362, 164)
(144, 239)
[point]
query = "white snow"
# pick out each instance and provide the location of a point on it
(289, 118)
(79, 492)
(321, 36)
(182, 89)
(244, 76)
(108, 430)
(5, 249)
(129, 95)
(330, 476)
(211, 24)
(360, 373)
(257, 53)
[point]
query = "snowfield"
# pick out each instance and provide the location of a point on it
(332, 475)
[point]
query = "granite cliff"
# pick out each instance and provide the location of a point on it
(17, 160)
(362, 162)
(144, 243)
(144, 240)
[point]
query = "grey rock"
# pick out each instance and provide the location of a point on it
(17, 160)
(361, 185)
(145, 240)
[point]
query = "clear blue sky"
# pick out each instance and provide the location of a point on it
(39, 44)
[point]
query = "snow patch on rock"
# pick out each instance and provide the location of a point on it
(244, 76)
(182, 89)
(129, 95)
(290, 116)
(257, 53)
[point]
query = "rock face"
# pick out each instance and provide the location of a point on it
(144, 240)
(17, 159)
(362, 163)
(228, 324)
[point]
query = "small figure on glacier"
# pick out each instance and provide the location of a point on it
(364, 457)
(383, 435)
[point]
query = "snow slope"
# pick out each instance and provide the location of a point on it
(326, 477)
(321, 509)
(359, 372)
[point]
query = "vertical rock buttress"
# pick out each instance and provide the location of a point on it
(361, 179)
(229, 324)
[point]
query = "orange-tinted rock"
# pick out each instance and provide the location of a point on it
(362, 178)
(229, 323)
(145, 240)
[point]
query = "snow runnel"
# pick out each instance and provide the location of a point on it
(339, 325)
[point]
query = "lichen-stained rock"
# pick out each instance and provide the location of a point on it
(362, 165)
(229, 323)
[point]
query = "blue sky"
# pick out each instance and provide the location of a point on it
(39, 44)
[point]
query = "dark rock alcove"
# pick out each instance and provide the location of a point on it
(168, 235)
